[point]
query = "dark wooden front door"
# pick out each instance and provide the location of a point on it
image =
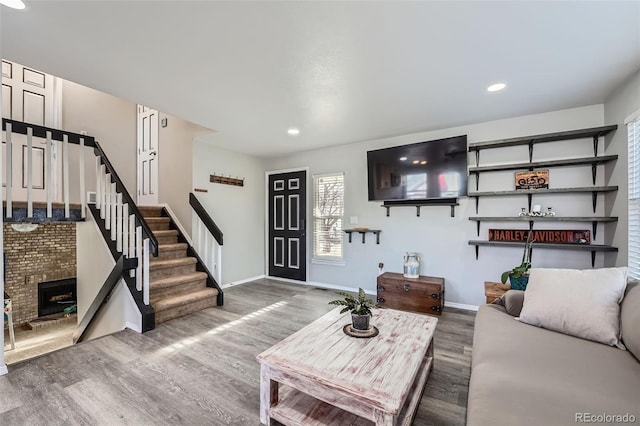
(287, 225)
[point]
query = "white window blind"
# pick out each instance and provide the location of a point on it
(634, 198)
(328, 212)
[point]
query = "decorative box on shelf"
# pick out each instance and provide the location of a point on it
(422, 294)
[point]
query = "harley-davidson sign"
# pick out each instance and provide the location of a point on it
(552, 236)
(537, 179)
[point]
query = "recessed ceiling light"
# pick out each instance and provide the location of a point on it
(293, 131)
(416, 161)
(14, 4)
(423, 162)
(403, 158)
(496, 87)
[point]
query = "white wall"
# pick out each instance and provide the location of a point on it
(112, 121)
(442, 240)
(620, 104)
(94, 263)
(238, 211)
(176, 165)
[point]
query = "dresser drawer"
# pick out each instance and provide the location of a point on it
(423, 294)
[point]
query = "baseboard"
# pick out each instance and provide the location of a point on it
(286, 280)
(337, 287)
(177, 222)
(235, 283)
(461, 306)
(3, 369)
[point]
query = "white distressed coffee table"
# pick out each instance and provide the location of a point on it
(320, 376)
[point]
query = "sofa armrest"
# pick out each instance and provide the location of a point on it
(512, 301)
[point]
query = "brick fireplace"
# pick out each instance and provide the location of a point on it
(46, 254)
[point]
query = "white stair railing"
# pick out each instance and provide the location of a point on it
(209, 250)
(123, 229)
(27, 137)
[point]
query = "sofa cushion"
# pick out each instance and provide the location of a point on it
(529, 376)
(579, 303)
(630, 321)
(512, 301)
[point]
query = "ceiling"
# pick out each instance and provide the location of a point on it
(341, 72)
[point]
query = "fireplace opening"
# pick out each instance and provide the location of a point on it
(55, 296)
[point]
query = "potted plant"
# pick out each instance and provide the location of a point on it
(519, 275)
(360, 308)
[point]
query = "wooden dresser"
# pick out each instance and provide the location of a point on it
(422, 294)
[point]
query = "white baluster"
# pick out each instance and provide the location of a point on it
(119, 222)
(132, 236)
(103, 180)
(29, 172)
(107, 198)
(65, 173)
(113, 211)
(124, 223)
(83, 195)
(145, 274)
(139, 256)
(9, 172)
(98, 184)
(49, 174)
(218, 272)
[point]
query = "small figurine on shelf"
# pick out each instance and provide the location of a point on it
(523, 213)
(549, 212)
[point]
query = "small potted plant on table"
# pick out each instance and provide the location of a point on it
(519, 275)
(360, 308)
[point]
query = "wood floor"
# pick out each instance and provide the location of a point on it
(201, 369)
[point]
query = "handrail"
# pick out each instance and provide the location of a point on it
(99, 301)
(205, 218)
(41, 132)
(133, 209)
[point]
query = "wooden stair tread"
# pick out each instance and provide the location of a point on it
(177, 280)
(166, 233)
(155, 219)
(171, 263)
(183, 299)
(174, 246)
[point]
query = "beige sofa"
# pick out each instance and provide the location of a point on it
(525, 375)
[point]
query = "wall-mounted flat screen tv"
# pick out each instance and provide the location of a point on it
(421, 171)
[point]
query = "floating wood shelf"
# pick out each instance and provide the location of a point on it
(593, 248)
(453, 202)
(363, 232)
(530, 219)
(551, 163)
(594, 190)
(594, 132)
(544, 191)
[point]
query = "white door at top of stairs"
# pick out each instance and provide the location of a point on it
(147, 156)
(33, 97)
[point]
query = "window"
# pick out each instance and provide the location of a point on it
(328, 210)
(634, 197)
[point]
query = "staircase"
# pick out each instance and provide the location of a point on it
(176, 288)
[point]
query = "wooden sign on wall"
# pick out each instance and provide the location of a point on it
(549, 236)
(537, 179)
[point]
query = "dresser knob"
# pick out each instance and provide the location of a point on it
(436, 308)
(380, 288)
(435, 296)
(407, 287)
(380, 300)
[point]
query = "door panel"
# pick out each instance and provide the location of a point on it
(287, 220)
(28, 95)
(147, 155)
